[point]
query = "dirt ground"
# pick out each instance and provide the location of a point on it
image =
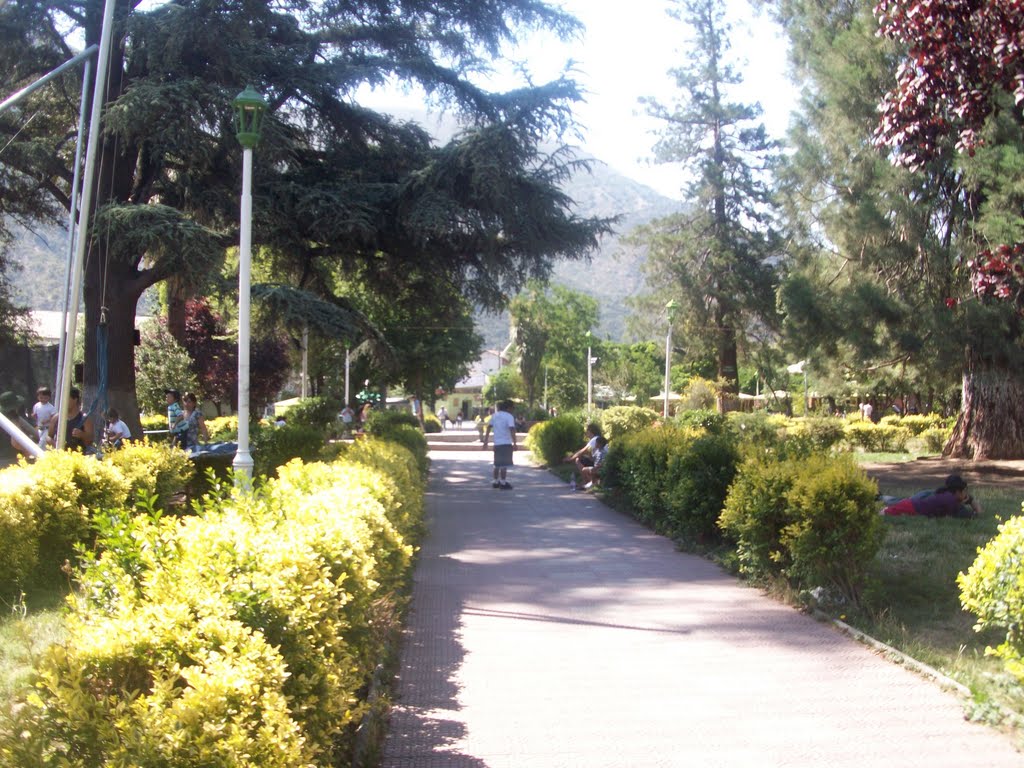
(931, 472)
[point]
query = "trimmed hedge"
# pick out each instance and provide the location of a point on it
(552, 440)
(674, 479)
(242, 636)
(621, 420)
(993, 590)
(47, 506)
(813, 521)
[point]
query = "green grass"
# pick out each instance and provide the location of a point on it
(27, 627)
(913, 603)
(864, 457)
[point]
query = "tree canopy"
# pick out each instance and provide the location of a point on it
(334, 182)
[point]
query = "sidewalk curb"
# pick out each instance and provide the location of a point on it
(895, 655)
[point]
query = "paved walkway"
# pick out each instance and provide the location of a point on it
(548, 630)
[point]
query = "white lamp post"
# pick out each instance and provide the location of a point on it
(249, 108)
(590, 379)
(671, 308)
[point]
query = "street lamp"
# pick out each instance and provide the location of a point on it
(670, 308)
(590, 379)
(249, 109)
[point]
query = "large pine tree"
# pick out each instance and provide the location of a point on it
(333, 181)
(720, 254)
(884, 292)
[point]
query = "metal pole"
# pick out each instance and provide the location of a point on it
(347, 366)
(590, 380)
(19, 95)
(668, 364)
(62, 342)
(243, 462)
(20, 437)
(305, 361)
(98, 97)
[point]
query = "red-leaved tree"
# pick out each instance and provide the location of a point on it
(961, 55)
(215, 359)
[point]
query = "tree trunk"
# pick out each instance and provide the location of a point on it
(991, 420)
(728, 359)
(121, 300)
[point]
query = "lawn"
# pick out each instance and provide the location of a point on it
(914, 602)
(28, 624)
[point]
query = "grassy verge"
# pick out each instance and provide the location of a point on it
(28, 625)
(914, 602)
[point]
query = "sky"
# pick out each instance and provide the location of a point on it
(625, 54)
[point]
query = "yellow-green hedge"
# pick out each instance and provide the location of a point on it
(241, 636)
(46, 507)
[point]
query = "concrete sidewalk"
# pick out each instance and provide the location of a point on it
(548, 630)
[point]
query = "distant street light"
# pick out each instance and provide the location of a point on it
(670, 308)
(590, 379)
(249, 109)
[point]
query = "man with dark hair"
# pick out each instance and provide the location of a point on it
(503, 424)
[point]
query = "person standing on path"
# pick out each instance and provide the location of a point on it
(503, 424)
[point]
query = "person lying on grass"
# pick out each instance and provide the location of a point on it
(951, 500)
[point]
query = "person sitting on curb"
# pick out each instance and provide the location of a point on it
(592, 474)
(584, 457)
(951, 500)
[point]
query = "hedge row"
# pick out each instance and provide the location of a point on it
(242, 636)
(793, 512)
(46, 507)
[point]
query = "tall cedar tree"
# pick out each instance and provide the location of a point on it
(962, 64)
(721, 253)
(333, 181)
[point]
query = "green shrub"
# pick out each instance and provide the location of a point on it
(756, 431)
(934, 439)
(698, 475)
(705, 419)
(993, 590)
(19, 544)
(620, 420)
(876, 438)
(755, 513)
(431, 424)
(317, 412)
(918, 423)
(242, 636)
(552, 440)
(836, 530)
(408, 436)
(638, 467)
(814, 521)
(381, 421)
(69, 488)
(222, 429)
(153, 469)
(275, 446)
(822, 432)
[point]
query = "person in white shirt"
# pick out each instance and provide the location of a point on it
(503, 425)
(116, 431)
(42, 412)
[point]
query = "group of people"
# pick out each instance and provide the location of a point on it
(588, 461)
(185, 422)
(349, 416)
